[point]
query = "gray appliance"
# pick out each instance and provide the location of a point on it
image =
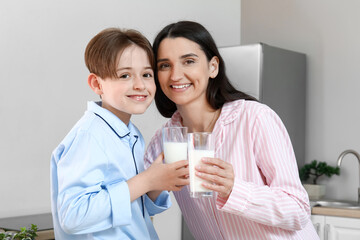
(277, 78)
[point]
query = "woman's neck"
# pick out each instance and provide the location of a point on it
(199, 117)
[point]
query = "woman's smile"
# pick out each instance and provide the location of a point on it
(180, 87)
(183, 68)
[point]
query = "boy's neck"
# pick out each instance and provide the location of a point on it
(124, 117)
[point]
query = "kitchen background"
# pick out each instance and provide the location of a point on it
(44, 89)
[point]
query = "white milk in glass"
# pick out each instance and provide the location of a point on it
(175, 151)
(194, 160)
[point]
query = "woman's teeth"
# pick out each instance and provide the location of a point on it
(181, 86)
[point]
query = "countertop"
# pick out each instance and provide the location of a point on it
(43, 222)
(331, 211)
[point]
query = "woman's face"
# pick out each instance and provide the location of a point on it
(184, 71)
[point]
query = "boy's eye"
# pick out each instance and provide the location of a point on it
(124, 76)
(147, 75)
(163, 66)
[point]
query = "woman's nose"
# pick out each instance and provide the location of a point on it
(176, 73)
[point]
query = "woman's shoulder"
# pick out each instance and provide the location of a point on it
(241, 106)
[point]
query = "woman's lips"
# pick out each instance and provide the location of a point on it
(180, 87)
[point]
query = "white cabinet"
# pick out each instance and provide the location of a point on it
(319, 224)
(336, 228)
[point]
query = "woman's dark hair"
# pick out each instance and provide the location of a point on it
(219, 89)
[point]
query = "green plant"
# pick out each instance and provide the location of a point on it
(24, 234)
(316, 169)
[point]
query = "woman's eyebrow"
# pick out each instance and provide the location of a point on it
(182, 57)
(189, 55)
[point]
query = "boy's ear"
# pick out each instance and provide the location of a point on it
(95, 84)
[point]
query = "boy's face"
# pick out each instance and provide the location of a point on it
(134, 89)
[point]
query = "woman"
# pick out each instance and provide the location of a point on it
(255, 176)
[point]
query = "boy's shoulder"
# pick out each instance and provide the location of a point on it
(84, 125)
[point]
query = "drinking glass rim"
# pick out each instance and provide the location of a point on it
(200, 133)
(174, 127)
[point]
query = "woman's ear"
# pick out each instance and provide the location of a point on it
(95, 84)
(214, 67)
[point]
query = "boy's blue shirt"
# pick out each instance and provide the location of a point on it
(89, 169)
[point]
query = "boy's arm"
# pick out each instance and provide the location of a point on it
(159, 177)
(85, 203)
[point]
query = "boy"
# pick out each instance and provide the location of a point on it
(99, 188)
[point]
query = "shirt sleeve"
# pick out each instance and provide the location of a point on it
(281, 201)
(85, 203)
(161, 203)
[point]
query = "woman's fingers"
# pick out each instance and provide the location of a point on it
(214, 179)
(215, 166)
(218, 174)
(215, 162)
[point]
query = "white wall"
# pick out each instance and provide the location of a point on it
(327, 31)
(44, 79)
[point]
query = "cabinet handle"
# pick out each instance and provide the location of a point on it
(317, 227)
(327, 230)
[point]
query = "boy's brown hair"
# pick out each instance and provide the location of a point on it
(103, 51)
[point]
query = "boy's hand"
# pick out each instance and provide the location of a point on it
(171, 177)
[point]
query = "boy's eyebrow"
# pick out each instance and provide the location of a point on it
(182, 57)
(127, 68)
(123, 68)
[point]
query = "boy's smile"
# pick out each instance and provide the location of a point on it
(134, 88)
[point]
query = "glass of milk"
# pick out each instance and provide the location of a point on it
(200, 144)
(174, 143)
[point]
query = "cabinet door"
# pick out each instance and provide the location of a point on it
(338, 228)
(319, 224)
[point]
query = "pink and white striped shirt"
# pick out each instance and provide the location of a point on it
(267, 200)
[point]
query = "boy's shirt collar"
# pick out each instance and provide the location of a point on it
(119, 126)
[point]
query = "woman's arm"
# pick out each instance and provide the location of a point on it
(280, 201)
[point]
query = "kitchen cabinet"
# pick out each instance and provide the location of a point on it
(336, 228)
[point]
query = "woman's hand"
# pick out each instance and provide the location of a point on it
(218, 173)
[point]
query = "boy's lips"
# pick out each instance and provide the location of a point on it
(138, 97)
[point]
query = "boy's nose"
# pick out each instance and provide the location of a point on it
(139, 83)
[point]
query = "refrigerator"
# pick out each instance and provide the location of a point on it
(277, 78)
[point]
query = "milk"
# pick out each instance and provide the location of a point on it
(175, 151)
(194, 160)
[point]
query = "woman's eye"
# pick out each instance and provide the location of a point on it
(189, 61)
(163, 66)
